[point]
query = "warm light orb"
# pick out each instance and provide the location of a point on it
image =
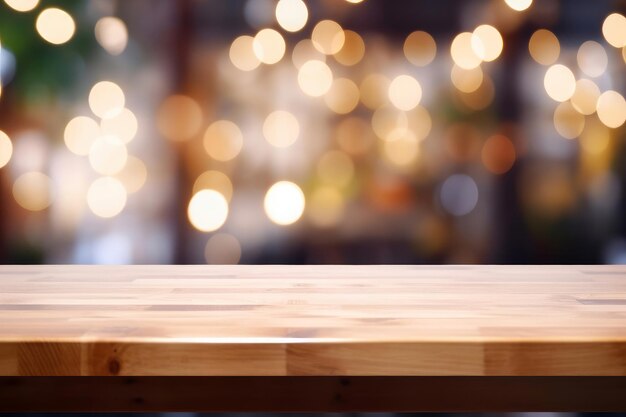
(22, 5)
(374, 91)
(106, 197)
(463, 53)
(223, 140)
(519, 5)
(222, 249)
(353, 49)
(544, 47)
(487, 42)
(401, 147)
(108, 155)
(336, 168)
(498, 154)
(281, 128)
(207, 210)
(388, 119)
(214, 180)
(328, 37)
(420, 48)
(55, 26)
(291, 15)
(585, 96)
(134, 174)
(80, 133)
(106, 99)
(466, 81)
(268, 46)
(611, 109)
(124, 125)
(284, 203)
(405, 92)
(179, 118)
(614, 30)
(326, 206)
(592, 59)
(559, 82)
(305, 51)
(242, 54)
(343, 96)
(315, 78)
(111, 34)
(6, 149)
(568, 122)
(33, 191)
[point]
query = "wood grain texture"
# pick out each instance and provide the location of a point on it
(312, 320)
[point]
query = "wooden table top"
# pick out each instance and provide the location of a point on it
(312, 320)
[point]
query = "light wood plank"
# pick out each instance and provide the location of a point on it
(313, 320)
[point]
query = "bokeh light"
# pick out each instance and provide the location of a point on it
(353, 49)
(498, 154)
(6, 149)
(401, 148)
(284, 203)
(291, 15)
(420, 48)
(343, 96)
(106, 197)
(614, 30)
(134, 174)
(223, 140)
(559, 82)
(374, 91)
(281, 128)
(612, 109)
(80, 133)
(519, 5)
(585, 96)
(405, 92)
(463, 53)
(326, 206)
(222, 249)
(315, 78)
(459, 194)
(207, 210)
(22, 5)
(544, 47)
(335, 168)
(328, 37)
(33, 191)
(124, 125)
(487, 42)
(108, 155)
(214, 180)
(111, 34)
(568, 122)
(268, 46)
(305, 51)
(466, 81)
(592, 59)
(242, 54)
(106, 99)
(179, 118)
(55, 26)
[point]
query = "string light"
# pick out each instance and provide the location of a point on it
(6, 149)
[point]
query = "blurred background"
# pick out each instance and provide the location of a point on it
(320, 131)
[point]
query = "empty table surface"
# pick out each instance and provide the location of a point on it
(313, 320)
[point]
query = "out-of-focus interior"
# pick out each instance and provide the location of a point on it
(326, 131)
